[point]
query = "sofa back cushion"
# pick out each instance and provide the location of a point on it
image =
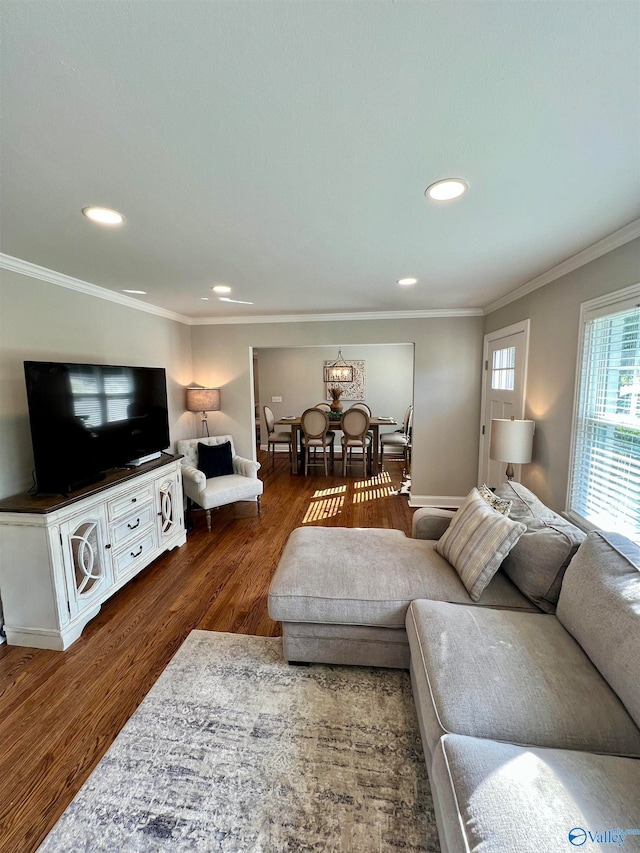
(538, 561)
(599, 606)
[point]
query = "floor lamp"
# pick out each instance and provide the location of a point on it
(203, 400)
(511, 442)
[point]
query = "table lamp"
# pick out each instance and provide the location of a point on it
(511, 442)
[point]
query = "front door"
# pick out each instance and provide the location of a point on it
(503, 391)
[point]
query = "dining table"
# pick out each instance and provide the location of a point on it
(375, 422)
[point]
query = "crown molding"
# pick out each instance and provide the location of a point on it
(602, 247)
(345, 317)
(34, 271)
(8, 262)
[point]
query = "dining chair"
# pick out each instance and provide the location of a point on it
(355, 426)
(325, 407)
(399, 441)
(274, 437)
(316, 435)
(366, 409)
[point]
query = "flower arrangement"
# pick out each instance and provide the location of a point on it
(335, 394)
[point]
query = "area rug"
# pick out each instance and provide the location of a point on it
(233, 750)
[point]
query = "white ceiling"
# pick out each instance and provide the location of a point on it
(283, 148)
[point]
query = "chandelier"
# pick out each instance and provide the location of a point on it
(339, 371)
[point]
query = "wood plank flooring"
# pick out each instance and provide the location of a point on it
(60, 711)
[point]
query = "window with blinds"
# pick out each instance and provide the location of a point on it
(605, 477)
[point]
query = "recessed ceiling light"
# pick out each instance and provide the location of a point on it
(238, 301)
(221, 288)
(103, 215)
(141, 292)
(204, 298)
(447, 189)
(407, 282)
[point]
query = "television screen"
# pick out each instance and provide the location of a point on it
(88, 418)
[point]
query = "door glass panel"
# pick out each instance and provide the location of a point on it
(503, 369)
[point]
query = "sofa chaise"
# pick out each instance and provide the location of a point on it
(527, 689)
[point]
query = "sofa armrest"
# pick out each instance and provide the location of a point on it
(245, 467)
(195, 476)
(430, 522)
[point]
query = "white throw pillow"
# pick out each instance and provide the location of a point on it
(477, 541)
(501, 505)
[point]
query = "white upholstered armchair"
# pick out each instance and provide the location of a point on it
(240, 484)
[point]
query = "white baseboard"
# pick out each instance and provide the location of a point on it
(440, 501)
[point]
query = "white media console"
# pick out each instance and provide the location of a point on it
(60, 558)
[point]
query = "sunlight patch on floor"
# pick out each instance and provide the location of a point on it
(324, 508)
(328, 503)
(373, 489)
(324, 493)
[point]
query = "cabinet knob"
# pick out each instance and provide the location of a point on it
(107, 547)
(133, 500)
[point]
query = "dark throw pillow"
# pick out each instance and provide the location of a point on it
(214, 460)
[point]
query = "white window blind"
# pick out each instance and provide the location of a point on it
(605, 477)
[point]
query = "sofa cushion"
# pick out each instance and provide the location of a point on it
(358, 576)
(494, 796)
(600, 606)
(537, 562)
(215, 460)
(508, 676)
(477, 541)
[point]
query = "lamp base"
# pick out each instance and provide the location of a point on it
(205, 425)
(510, 473)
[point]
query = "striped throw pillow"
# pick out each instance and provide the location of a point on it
(477, 541)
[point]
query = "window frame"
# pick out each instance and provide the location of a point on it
(611, 303)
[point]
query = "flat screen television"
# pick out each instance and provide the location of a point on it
(89, 418)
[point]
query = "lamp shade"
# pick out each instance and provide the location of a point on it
(511, 440)
(203, 399)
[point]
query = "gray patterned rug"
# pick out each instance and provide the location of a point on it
(233, 750)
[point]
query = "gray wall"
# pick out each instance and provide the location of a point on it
(41, 321)
(448, 355)
(295, 374)
(554, 311)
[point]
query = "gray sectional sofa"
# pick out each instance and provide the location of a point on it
(527, 692)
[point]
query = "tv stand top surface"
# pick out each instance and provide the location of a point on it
(44, 503)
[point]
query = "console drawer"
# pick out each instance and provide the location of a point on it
(132, 525)
(127, 503)
(127, 560)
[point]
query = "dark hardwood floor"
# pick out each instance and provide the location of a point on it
(60, 711)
